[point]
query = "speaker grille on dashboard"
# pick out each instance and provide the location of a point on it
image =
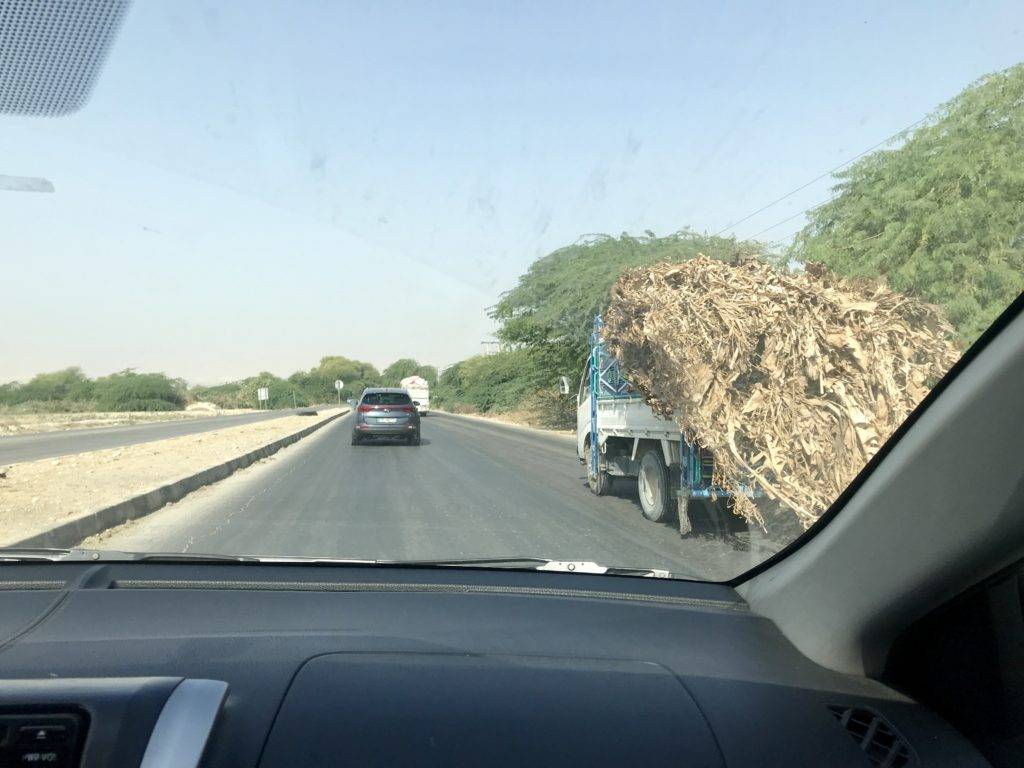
(51, 52)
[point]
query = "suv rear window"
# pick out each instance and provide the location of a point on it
(386, 398)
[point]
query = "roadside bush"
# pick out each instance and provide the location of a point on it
(283, 393)
(491, 383)
(130, 391)
(227, 395)
(64, 386)
(548, 408)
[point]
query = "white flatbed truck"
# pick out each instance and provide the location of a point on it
(618, 435)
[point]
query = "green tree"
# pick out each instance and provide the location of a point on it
(404, 368)
(131, 391)
(282, 393)
(318, 382)
(941, 216)
(551, 311)
(492, 382)
(227, 395)
(69, 384)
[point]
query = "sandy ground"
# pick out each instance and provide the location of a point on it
(24, 423)
(37, 495)
(511, 419)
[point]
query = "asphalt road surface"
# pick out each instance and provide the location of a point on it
(472, 489)
(46, 445)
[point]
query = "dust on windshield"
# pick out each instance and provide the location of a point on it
(650, 304)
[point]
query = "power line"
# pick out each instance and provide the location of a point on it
(780, 223)
(819, 178)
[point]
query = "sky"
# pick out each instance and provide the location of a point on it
(253, 186)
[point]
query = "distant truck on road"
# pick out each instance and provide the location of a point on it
(419, 390)
(618, 435)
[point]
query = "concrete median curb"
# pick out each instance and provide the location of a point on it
(74, 531)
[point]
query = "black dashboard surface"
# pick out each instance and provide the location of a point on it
(327, 665)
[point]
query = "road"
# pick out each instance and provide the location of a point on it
(472, 489)
(46, 445)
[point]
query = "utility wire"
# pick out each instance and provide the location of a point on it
(819, 178)
(780, 223)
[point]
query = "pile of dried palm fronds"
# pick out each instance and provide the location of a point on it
(792, 380)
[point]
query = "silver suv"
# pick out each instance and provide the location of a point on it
(386, 412)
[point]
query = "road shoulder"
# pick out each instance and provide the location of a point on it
(59, 502)
(499, 422)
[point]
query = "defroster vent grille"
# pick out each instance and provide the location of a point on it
(882, 744)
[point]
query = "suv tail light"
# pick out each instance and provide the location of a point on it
(409, 408)
(365, 408)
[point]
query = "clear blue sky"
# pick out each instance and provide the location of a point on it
(254, 185)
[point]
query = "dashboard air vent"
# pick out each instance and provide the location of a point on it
(882, 744)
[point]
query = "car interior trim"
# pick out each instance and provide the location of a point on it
(185, 723)
(393, 586)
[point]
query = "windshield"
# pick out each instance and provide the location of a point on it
(662, 278)
(386, 398)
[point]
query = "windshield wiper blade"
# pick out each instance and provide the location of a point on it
(536, 563)
(75, 554)
(16, 554)
(541, 564)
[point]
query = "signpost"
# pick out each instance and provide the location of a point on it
(263, 395)
(338, 384)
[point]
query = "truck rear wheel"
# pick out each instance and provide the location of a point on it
(602, 482)
(653, 486)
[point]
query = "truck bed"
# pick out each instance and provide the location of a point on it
(632, 417)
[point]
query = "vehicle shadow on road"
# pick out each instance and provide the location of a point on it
(384, 442)
(709, 520)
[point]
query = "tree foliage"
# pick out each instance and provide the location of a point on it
(131, 391)
(942, 216)
(71, 390)
(66, 384)
(492, 382)
(318, 382)
(556, 300)
(404, 368)
(546, 320)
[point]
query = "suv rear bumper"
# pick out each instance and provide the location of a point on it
(408, 428)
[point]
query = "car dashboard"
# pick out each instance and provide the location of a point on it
(148, 664)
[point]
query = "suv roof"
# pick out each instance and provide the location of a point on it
(373, 390)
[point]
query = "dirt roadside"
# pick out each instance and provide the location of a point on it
(510, 420)
(38, 495)
(26, 423)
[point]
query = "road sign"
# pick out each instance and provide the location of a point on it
(339, 384)
(263, 393)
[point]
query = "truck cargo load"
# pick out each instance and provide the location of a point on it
(791, 380)
(419, 390)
